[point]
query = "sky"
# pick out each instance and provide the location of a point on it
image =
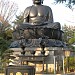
(61, 13)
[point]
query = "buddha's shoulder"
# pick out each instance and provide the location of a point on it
(28, 8)
(27, 11)
(47, 7)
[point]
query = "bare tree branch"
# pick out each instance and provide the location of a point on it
(7, 12)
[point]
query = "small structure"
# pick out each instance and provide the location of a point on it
(20, 70)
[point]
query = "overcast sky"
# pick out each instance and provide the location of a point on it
(61, 13)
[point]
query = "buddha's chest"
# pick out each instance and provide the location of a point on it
(38, 11)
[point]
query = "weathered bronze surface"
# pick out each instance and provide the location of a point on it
(38, 23)
(39, 14)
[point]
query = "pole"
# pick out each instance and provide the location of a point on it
(43, 64)
(46, 68)
(63, 65)
(54, 66)
(67, 64)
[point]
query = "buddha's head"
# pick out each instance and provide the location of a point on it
(37, 1)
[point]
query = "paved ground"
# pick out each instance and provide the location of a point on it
(58, 74)
(50, 74)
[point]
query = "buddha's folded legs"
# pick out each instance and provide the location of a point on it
(55, 25)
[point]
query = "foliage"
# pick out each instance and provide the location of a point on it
(7, 34)
(7, 12)
(69, 34)
(4, 52)
(69, 3)
(69, 63)
(19, 19)
(3, 45)
(5, 40)
(69, 38)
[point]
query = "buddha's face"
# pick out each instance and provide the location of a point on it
(37, 1)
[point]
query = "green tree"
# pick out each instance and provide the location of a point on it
(69, 34)
(5, 52)
(8, 34)
(69, 38)
(69, 3)
(3, 45)
(69, 63)
(7, 12)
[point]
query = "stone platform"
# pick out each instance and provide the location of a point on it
(36, 43)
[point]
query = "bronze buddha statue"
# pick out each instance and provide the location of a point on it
(38, 23)
(39, 14)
